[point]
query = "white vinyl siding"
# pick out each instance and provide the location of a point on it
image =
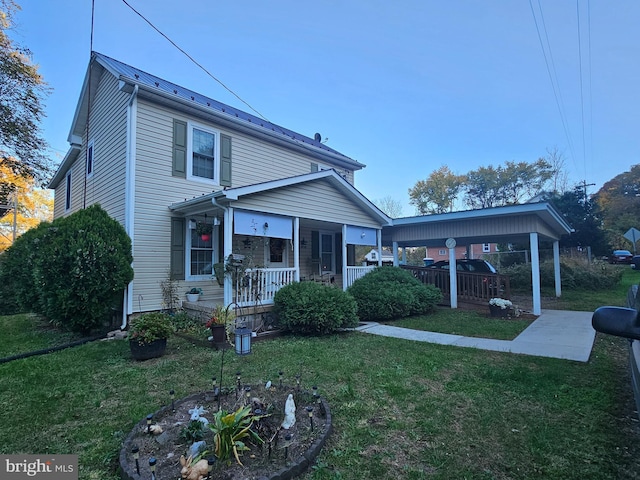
(317, 201)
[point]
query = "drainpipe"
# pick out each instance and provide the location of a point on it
(130, 195)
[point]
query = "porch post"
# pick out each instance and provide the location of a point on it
(535, 273)
(345, 272)
(379, 237)
(296, 248)
(556, 267)
(395, 253)
(228, 248)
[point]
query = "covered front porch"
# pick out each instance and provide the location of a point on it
(263, 237)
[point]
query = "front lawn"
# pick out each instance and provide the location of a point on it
(469, 323)
(401, 410)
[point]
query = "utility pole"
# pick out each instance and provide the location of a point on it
(584, 186)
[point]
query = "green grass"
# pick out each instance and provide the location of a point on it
(22, 333)
(401, 410)
(588, 301)
(469, 323)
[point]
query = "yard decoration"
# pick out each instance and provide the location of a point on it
(239, 427)
(222, 319)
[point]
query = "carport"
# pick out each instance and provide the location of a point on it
(530, 223)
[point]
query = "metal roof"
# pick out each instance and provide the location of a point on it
(137, 76)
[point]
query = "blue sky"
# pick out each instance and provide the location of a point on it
(404, 87)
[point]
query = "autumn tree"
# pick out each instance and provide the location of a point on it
(619, 201)
(22, 92)
(33, 206)
(438, 193)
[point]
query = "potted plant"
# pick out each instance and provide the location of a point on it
(204, 229)
(221, 319)
(148, 335)
(499, 307)
(193, 294)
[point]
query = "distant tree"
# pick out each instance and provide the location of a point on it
(510, 184)
(34, 206)
(619, 201)
(582, 214)
(437, 193)
(22, 92)
(389, 205)
(559, 181)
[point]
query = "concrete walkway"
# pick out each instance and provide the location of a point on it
(555, 334)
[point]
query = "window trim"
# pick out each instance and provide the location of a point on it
(486, 248)
(91, 164)
(216, 154)
(68, 198)
(188, 249)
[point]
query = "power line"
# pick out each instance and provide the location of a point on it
(195, 62)
(553, 85)
(584, 147)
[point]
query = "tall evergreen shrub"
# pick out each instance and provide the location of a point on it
(73, 271)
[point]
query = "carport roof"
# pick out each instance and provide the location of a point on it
(508, 224)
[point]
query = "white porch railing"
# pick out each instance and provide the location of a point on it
(261, 284)
(354, 273)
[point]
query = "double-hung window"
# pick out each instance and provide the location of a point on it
(67, 197)
(200, 254)
(203, 154)
(90, 159)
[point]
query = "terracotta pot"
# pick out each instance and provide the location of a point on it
(145, 351)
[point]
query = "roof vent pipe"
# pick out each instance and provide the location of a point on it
(317, 137)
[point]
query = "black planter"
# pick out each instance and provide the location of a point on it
(146, 351)
(219, 333)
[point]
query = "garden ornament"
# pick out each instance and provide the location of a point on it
(289, 413)
(196, 414)
(199, 471)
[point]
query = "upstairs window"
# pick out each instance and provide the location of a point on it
(90, 159)
(202, 155)
(67, 200)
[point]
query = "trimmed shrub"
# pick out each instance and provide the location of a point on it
(391, 292)
(312, 308)
(73, 271)
(574, 274)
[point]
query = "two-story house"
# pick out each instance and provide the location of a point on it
(164, 160)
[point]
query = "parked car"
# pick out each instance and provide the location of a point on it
(635, 262)
(467, 265)
(624, 322)
(621, 256)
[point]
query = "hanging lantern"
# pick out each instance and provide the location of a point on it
(243, 341)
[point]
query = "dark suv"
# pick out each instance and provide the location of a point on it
(467, 265)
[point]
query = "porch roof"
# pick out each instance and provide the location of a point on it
(228, 196)
(508, 224)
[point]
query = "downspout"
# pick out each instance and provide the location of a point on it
(130, 184)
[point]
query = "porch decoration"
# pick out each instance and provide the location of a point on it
(193, 294)
(204, 229)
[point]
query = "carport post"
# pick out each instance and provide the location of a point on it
(535, 273)
(556, 267)
(453, 277)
